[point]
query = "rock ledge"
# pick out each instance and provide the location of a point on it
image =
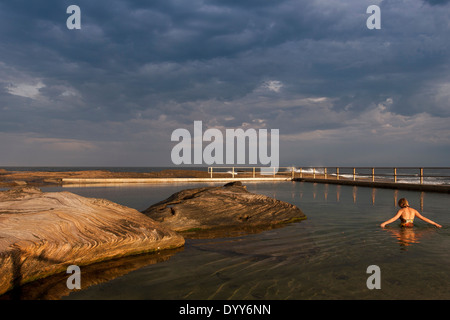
(221, 207)
(43, 233)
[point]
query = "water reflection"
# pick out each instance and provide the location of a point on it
(422, 195)
(408, 236)
(395, 197)
(326, 192)
(54, 287)
(405, 236)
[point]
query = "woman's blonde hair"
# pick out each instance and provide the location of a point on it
(403, 203)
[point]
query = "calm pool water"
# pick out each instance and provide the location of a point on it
(323, 257)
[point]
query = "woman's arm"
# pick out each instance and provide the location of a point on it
(418, 215)
(399, 213)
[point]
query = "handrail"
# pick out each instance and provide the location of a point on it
(253, 171)
(374, 173)
(387, 174)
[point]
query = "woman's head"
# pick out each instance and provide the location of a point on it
(403, 203)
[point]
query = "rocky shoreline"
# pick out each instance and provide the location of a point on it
(42, 233)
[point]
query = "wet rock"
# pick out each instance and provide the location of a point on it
(229, 207)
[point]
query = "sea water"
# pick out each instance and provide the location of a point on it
(325, 256)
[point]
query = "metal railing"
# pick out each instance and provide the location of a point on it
(415, 175)
(251, 172)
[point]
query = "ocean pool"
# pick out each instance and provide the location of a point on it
(325, 256)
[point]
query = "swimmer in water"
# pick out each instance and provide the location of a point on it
(407, 214)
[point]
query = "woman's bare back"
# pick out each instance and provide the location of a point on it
(408, 213)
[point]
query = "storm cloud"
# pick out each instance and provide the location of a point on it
(111, 93)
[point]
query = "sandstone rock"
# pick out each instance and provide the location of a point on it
(230, 206)
(43, 233)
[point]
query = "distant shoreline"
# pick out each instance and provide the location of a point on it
(46, 178)
(56, 178)
(109, 178)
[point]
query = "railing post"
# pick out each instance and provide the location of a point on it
(293, 173)
(395, 175)
(232, 172)
(274, 172)
(421, 175)
(211, 172)
(373, 174)
(253, 172)
(337, 173)
(354, 174)
(325, 173)
(314, 173)
(301, 172)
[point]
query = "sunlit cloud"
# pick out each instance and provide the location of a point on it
(25, 90)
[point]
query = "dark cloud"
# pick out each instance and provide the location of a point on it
(437, 2)
(139, 69)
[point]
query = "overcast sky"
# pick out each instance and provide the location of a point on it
(111, 93)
